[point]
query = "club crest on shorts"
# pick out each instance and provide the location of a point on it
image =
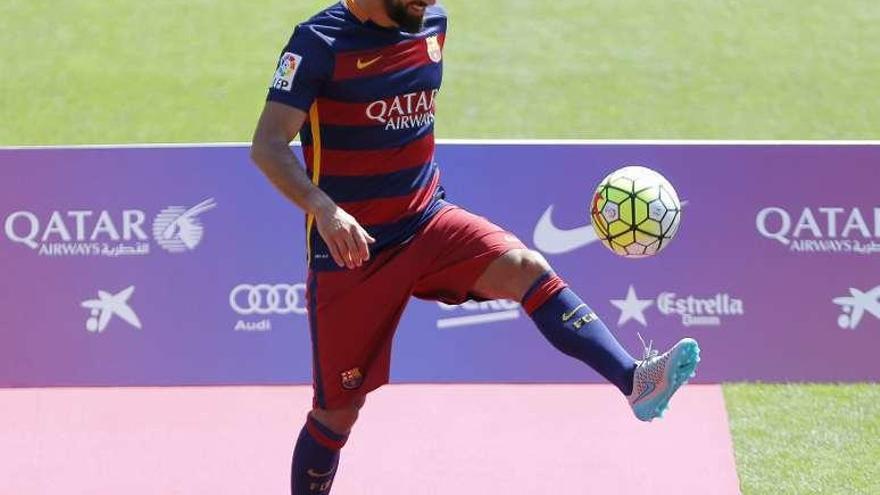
(435, 53)
(352, 379)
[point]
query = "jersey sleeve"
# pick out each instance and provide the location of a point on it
(304, 66)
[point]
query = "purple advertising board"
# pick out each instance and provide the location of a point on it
(182, 265)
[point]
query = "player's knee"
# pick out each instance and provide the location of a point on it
(510, 276)
(533, 264)
(341, 420)
(524, 267)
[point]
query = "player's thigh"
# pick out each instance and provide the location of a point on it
(461, 246)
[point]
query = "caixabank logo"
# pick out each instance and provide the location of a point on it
(856, 305)
(108, 305)
(704, 310)
(107, 233)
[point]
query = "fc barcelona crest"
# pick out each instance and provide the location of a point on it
(352, 379)
(435, 53)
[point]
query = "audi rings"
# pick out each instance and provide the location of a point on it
(266, 299)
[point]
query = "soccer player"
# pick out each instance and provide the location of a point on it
(358, 82)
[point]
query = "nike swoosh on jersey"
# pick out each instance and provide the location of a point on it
(315, 474)
(361, 65)
(552, 240)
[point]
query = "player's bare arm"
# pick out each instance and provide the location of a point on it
(278, 125)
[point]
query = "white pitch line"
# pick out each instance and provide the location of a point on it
(490, 142)
(665, 142)
(461, 321)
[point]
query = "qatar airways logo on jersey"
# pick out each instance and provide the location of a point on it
(409, 111)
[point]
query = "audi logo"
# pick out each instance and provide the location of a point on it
(266, 299)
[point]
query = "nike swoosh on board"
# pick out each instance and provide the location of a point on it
(553, 240)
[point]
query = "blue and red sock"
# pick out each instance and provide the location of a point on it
(573, 328)
(315, 459)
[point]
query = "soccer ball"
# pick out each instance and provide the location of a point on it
(635, 212)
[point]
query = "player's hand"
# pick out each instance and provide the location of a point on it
(347, 240)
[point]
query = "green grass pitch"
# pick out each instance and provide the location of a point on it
(806, 439)
(98, 71)
(119, 71)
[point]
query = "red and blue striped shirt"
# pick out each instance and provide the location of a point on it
(368, 141)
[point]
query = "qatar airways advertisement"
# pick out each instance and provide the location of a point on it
(182, 265)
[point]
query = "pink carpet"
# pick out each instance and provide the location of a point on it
(412, 440)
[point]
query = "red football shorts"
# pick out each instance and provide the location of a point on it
(353, 313)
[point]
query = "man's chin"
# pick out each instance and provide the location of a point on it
(409, 19)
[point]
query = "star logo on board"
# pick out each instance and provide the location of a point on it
(632, 308)
(856, 305)
(108, 305)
